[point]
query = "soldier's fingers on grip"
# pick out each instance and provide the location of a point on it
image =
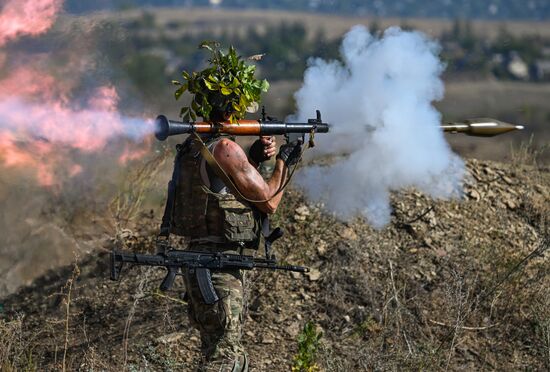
(269, 152)
(267, 140)
(271, 148)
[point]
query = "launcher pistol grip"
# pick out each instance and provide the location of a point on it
(291, 137)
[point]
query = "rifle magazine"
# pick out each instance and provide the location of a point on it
(208, 292)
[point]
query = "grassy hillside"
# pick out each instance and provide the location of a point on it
(447, 285)
(457, 285)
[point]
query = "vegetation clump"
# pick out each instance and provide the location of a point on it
(226, 88)
(308, 344)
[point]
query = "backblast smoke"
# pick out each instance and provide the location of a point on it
(43, 123)
(62, 136)
(22, 17)
(379, 102)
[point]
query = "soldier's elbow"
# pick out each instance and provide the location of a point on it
(271, 208)
(267, 207)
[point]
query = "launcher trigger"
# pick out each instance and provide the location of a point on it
(292, 137)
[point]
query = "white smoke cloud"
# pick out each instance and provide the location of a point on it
(379, 103)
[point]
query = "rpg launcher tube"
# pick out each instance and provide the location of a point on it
(165, 128)
(483, 127)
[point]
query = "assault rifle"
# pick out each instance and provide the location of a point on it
(199, 264)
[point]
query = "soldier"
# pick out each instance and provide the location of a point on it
(214, 220)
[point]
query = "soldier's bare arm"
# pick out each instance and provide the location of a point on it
(234, 162)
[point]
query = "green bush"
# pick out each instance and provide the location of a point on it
(308, 344)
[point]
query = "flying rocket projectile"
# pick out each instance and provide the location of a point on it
(483, 127)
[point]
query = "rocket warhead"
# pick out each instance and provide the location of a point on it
(483, 127)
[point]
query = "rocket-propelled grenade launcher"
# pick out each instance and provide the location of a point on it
(164, 128)
(483, 127)
(266, 126)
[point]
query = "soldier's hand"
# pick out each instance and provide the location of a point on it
(262, 149)
(290, 153)
(270, 145)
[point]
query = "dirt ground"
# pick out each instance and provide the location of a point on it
(449, 285)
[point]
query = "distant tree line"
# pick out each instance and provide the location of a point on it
(287, 47)
(477, 9)
(524, 57)
(147, 56)
(142, 58)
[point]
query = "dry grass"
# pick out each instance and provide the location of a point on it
(137, 297)
(128, 203)
(527, 153)
(67, 302)
(445, 286)
(17, 347)
(14, 350)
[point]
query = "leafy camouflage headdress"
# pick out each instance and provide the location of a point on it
(227, 86)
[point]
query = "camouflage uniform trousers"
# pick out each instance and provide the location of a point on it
(220, 324)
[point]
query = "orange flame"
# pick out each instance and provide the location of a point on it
(17, 157)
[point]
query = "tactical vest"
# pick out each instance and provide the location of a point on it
(205, 216)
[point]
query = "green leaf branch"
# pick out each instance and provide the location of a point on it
(228, 86)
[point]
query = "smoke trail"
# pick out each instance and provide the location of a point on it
(61, 124)
(379, 102)
(42, 121)
(40, 132)
(23, 17)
